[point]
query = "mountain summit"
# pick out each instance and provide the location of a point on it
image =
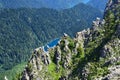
(94, 54)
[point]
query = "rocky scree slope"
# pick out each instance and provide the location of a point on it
(94, 54)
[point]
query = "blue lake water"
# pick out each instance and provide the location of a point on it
(51, 44)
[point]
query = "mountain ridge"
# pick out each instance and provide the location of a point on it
(27, 29)
(93, 54)
(55, 4)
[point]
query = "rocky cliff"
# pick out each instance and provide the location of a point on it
(94, 54)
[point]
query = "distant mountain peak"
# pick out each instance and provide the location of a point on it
(99, 4)
(55, 4)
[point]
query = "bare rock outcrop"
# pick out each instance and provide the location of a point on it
(36, 64)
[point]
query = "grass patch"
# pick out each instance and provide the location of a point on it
(16, 70)
(52, 71)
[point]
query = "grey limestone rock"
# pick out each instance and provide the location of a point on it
(57, 55)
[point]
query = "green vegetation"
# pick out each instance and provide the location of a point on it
(99, 4)
(90, 61)
(97, 70)
(95, 45)
(80, 51)
(27, 29)
(62, 44)
(13, 73)
(29, 68)
(52, 71)
(22, 30)
(71, 44)
(118, 63)
(55, 4)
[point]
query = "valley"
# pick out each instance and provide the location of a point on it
(24, 29)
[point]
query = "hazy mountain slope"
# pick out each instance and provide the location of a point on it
(92, 55)
(99, 4)
(56, 4)
(22, 30)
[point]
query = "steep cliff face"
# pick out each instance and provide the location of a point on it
(94, 54)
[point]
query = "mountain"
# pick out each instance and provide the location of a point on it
(99, 4)
(23, 29)
(55, 4)
(94, 54)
